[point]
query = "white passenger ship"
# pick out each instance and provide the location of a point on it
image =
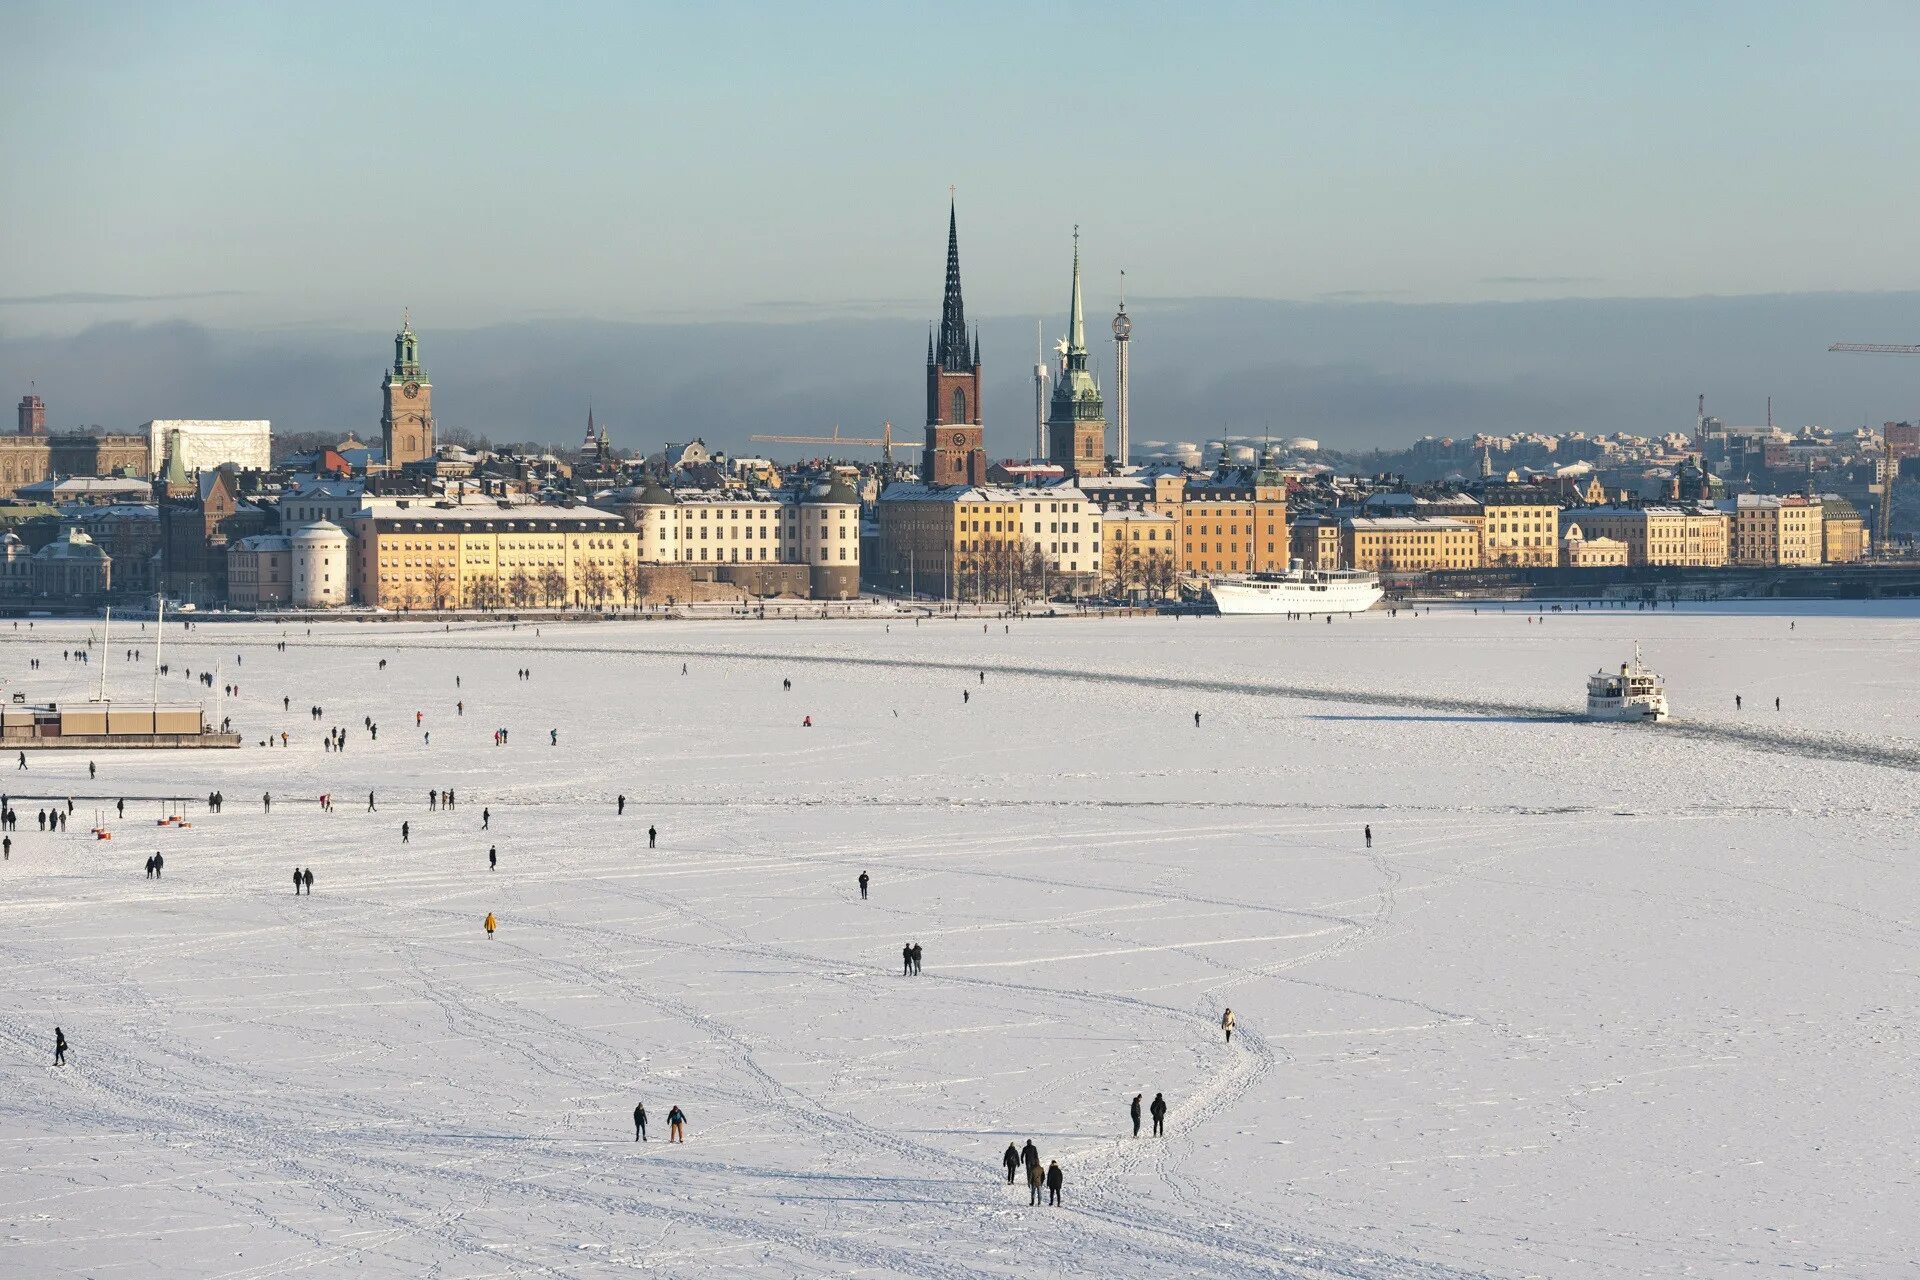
(1298, 590)
(1634, 693)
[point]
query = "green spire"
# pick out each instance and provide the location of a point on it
(1077, 344)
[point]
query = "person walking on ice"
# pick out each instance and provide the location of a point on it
(1159, 1112)
(906, 960)
(677, 1126)
(640, 1122)
(1055, 1180)
(493, 857)
(1134, 1110)
(1367, 831)
(1012, 1161)
(307, 876)
(1226, 1024)
(406, 829)
(59, 1047)
(1196, 719)
(491, 922)
(652, 837)
(1036, 1179)
(297, 881)
(863, 886)
(486, 818)
(620, 806)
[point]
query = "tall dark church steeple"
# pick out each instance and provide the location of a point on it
(951, 354)
(954, 453)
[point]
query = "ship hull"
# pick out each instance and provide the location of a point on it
(1311, 594)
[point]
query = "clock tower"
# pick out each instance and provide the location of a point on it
(954, 452)
(406, 406)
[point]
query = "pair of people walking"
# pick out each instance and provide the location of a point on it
(303, 880)
(676, 1124)
(1158, 1110)
(910, 960)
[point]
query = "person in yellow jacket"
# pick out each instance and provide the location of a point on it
(490, 923)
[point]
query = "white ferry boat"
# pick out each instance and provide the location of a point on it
(1298, 590)
(1633, 693)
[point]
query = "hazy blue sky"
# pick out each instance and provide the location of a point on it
(330, 163)
(193, 189)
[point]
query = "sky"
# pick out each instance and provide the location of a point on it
(266, 171)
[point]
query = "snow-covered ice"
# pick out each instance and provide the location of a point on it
(1602, 1000)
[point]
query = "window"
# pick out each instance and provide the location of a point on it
(959, 405)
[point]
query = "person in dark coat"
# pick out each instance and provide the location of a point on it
(59, 1047)
(1030, 1155)
(1159, 1110)
(405, 829)
(296, 882)
(159, 864)
(1368, 829)
(1012, 1161)
(620, 807)
(863, 886)
(307, 878)
(906, 961)
(1036, 1178)
(1135, 1110)
(916, 959)
(640, 1122)
(486, 818)
(493, 857)
(652, 837)
(1055, 1180)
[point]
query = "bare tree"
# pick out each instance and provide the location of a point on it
(439, 581)
(520, 588)
(553, 585)
(593, 579)
(1120, 561)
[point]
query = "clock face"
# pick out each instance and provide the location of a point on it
(412, 389)
(1122, 326)
(959, 438)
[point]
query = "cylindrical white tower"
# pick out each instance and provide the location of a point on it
(319, 565)
(1122, 333)
(1039, 391)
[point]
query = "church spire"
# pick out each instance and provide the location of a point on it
(952, 353)
(1077, 344)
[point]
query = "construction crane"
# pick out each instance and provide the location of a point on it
(1883, 522)
(884, 443)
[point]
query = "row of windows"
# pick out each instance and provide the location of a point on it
(734, 558)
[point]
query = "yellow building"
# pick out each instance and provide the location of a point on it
(1519, 526)
(1843, 531)
(1692, 536)
(1408, 544)
(1316, 542)
(435, 556)
(948, 541)
(1141, 551)
(1577, 551)
(1769, 529)
(817, 528)
(1235, 521)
